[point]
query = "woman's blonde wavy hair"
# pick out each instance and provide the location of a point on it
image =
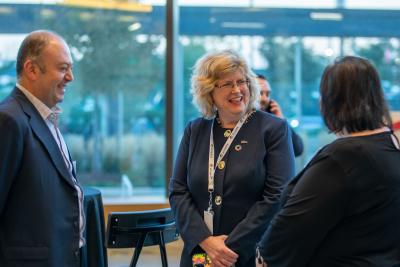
(209, 69)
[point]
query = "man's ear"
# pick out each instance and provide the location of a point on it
(31, 69)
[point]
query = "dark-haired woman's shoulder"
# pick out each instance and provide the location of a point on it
(343, 148)
(357, 144)
(350, 152)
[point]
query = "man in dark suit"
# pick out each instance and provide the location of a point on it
(41, 218)
(271, 106)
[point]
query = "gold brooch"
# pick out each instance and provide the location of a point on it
(227, 133)
(221, 165)
(218, 200)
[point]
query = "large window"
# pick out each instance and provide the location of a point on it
(113, 115)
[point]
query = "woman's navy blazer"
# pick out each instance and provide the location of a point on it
(249, 186)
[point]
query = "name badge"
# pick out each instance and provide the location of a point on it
(209, 219)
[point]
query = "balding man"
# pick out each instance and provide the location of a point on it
(41, 217)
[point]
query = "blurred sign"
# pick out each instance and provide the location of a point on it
(109, 4)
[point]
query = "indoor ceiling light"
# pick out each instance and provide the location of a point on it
(326, 16)
(6, 10)
(243, 25)
(134, 26)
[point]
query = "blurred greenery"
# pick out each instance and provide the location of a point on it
(280, 55)
(7, 77)
(118, 73)
(191, 53)
(385, 56)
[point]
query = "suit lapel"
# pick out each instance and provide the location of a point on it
(72, 163)
(43, 134)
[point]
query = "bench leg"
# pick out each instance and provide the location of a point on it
(163, 251)
(138, 249)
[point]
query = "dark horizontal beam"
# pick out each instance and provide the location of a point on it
(289, 22)
(221, 21)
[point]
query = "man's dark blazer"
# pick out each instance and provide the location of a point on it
(39, 212)
(258, 164)
(298, 146)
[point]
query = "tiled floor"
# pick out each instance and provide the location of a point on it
(149, 257)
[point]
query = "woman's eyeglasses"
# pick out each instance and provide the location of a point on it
(231, 84)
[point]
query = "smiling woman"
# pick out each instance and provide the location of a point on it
(231, 99)
(246, 155)
(224, 70)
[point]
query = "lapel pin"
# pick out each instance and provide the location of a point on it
(238, 147)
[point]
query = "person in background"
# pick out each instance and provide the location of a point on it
(41, 217)
(343, 209)
(269, 105)
(231, 167)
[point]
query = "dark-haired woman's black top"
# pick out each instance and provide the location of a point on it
(342, 210)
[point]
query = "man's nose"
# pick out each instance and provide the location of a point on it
(69, 76)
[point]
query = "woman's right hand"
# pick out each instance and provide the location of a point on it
(220, 254)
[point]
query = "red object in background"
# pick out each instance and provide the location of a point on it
(396, 126)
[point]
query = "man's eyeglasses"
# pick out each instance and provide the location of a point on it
(231, 84)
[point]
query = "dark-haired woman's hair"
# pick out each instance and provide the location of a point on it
(352, 98)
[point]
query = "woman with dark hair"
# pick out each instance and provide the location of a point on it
(343, 208)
